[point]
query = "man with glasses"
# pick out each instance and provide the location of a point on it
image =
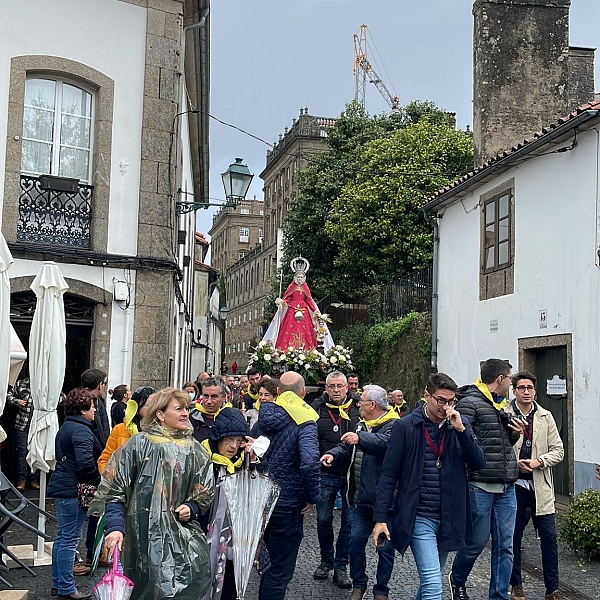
(423, 483)
(537, 452)
(338, 414)
(363, 452)
(492, 489)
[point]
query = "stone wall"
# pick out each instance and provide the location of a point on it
(581, 76)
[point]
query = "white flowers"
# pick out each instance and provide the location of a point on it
(302, 357)
(267, 357)
(333, 360)
(262, 344)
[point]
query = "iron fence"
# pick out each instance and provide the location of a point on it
(412, 293)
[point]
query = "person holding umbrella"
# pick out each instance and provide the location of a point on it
(154, 489)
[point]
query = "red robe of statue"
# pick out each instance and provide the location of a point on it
(299, 333)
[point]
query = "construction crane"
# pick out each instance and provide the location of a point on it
(363, 71)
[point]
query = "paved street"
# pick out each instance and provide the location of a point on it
(580, 579)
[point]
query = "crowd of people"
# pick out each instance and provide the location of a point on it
(465, 465)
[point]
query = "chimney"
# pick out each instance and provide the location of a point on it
(520, 71)
(581, 76)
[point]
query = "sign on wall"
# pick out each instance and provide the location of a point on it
(556, 386)
(543, 318)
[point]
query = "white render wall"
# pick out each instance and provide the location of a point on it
(109, 36)
(556, 241)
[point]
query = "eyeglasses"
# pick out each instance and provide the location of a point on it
(525, 388)
(443, 401)
(336, 386)
(238, 441)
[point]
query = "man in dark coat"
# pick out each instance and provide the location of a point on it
(95, 381)
(364, 451)
(425, 463)
(338, 414)
(491, 489)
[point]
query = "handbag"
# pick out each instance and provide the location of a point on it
(85, 491)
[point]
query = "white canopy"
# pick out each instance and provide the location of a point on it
(6, 260)
(17, 356)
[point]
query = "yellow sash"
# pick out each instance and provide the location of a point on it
(251, 393)
(201, 409)
(384, 418)
(257, 405)
(218, 459)
(486, 392)
(398, 407)
(130, 412)
(342, 407)
(296, 408)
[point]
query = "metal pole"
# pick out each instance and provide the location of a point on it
(41, 517)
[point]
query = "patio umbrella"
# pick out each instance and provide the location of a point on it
(47, 361)
(17, 356)
(6, 260)
(251, 498)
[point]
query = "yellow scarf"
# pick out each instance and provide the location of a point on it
(130, 412)
(257, 405)
(343, 408)
(486, 392)
(201, 409)
(398, 407)
(251, 393)
(389, 415)
(296, 408)
(218, 459)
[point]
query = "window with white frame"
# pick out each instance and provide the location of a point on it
(245, 211)
(57, 129)
(244, 234)
(261, 212)
(260, 235)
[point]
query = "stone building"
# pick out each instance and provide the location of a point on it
(99, 152)
(247, 280)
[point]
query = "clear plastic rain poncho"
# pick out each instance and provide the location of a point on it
(152, 474)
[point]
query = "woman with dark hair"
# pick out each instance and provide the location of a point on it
(192, 390)
(154, 489)
(119, 396)
(267, 392)
(134, 413)
(77, 450)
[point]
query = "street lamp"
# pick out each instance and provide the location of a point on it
(223, 313)
(236, 181)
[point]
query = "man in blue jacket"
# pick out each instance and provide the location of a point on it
(293, 462)
(427, 454)
(364, 450)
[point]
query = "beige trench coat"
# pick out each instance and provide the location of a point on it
(547, 445)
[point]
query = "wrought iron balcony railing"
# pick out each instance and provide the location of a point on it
(57, 218)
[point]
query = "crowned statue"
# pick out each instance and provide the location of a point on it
(298, 322)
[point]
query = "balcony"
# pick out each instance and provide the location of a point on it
(54, 217)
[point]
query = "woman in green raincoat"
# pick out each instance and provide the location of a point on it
(155, 488)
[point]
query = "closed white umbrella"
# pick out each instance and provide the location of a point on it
(47, 361)
(18, 356)
(6, 260)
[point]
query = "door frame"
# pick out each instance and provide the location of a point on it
(527, 349)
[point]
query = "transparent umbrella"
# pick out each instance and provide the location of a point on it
(251, 498)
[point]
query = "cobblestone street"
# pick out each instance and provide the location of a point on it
(580, 579)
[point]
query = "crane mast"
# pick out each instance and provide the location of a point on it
(363, 72)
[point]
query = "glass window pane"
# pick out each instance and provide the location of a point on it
(35, 157)
(503, 230)
(73, 163)
(503, 209)
(76, 101)
(38, 124)
(489, 212)
(40, 93)
(490, 238)
(503, 253)
(489, 257)
(75, 131)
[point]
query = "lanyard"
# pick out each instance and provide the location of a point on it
(528, 432)
(437, 452)
(336, 423)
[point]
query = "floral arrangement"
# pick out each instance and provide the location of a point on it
(311, 364)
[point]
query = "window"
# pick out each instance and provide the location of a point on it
(260, 235)
(57, 129)
(244, 234)
(245, 211)
(243, 253)
(244, 347)
(250, 316)
(497, 233)
(261, 212)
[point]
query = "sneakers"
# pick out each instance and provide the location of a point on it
(556, 595)
(357, 594)
(341, 579)
(457, 592)
(516, 593)
(322, 571)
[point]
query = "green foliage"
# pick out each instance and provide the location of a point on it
(580, 526)
(357, 216)
(394, 354)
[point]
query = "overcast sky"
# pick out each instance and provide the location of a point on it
(271, 57)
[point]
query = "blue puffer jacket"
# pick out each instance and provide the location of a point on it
(75, 440)
(429, 503)
(292, 457)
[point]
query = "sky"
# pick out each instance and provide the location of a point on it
(269, 58)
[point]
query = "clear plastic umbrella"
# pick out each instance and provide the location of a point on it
(251, 497)
(114, 585)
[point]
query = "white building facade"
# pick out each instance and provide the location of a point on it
(99, 152)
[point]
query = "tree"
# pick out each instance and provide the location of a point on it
(315, 222)
(377, 218)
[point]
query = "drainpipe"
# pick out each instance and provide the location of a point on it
(433, 365)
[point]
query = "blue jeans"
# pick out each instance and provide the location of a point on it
(495, 514)
(430, 561)
(546, 527)
(70, 518)
(330, 486)
(282, 538)
(362, 528)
